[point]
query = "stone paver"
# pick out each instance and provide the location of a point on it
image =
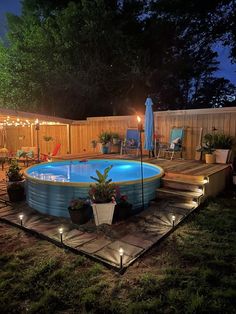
(80, 239)
(95, 245)
(134, 236)
(137, 240)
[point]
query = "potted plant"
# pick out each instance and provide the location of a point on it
(123, 208)
(15, 182)
(208, 148)
(115, 138)
(80, 210)
(105, 140)
(102, 195)
(222, 144)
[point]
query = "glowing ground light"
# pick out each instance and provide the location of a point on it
(173, 220)
(61, 234)
(121, 252)
(21, 219)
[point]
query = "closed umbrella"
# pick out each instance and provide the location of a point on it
(149, 126)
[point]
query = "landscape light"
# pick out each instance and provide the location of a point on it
(121, 252)
(173, 220)
(21, 219)
(61, 234)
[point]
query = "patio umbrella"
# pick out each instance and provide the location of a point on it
(149, 126)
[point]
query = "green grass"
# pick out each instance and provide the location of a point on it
(192, 271)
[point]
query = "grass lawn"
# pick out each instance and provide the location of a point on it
(193, 271)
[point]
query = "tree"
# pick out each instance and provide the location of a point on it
(216, 92)
(102, 57)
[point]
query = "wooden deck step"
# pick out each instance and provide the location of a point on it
(178, 194)
(182, 184)
(185, 177)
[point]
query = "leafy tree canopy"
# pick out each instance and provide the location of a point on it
(102, 57)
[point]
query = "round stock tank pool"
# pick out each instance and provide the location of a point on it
(51, 186)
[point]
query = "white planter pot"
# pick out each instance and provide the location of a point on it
(103, 213)
(221, 156)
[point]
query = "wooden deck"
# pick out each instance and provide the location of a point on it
(135, 235)
(176, 166)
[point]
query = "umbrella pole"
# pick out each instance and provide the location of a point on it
(141, 163)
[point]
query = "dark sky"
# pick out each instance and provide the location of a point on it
(13, 6)
(226, 69)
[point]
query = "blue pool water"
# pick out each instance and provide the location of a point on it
(81, 172)
(51, 186)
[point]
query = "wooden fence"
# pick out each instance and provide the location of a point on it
(77, 136)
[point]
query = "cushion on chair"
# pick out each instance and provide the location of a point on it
(32, 150)
(177, 140)
(30, 154)
(132, 143)
(20, 153)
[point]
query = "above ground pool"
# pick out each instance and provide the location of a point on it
(51, 186)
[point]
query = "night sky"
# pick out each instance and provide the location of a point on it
(226, 69)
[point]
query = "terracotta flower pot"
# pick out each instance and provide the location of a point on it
(210, 158)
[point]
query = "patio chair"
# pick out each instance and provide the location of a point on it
(131, 142)
(174, 146)
(46, 157)
(26, 155)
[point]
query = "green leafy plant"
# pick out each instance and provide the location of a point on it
(123, 201)
(103, 191)
(78, 203)
(208, 144)
(105, 138)
(115, 137)
(222, 141)
(13, 174)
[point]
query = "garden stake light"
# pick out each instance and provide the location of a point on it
(173, 221)
(21, 219)
(61, 234)
(140, 129)
(121, 252)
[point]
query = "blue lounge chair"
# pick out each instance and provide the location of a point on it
(175, 144)
(131, 142)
